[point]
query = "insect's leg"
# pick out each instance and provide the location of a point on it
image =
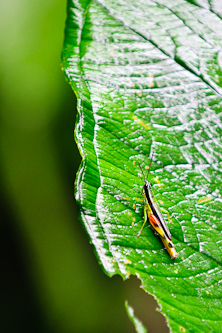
(131, 201)
(168, 214)
(146, 213)
(138, 199)
(127, 199)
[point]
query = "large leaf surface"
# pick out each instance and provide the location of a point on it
(147, 75)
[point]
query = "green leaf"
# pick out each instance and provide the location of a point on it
(136, 322)
(147, 75)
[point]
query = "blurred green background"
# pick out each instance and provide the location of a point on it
(50, 280)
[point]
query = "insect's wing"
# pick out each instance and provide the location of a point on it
(166, 241)
(156, 225)
(160, 216)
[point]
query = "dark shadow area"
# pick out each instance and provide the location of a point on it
(63, 137)
(20, 310)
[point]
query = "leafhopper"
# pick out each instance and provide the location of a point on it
(153, 214)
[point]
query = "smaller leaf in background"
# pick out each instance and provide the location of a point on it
(136, 322)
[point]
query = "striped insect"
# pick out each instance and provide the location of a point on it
(153, 214)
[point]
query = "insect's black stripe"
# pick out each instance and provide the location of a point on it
(150, 202)
(154, 211)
